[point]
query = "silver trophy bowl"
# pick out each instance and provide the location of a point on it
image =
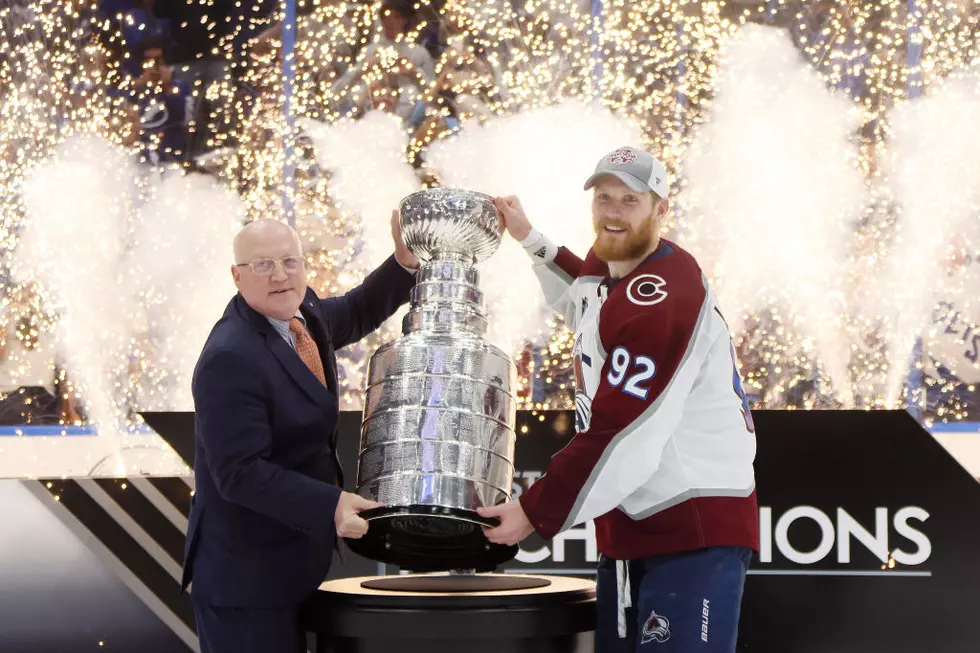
(437, 436)
(449, 222)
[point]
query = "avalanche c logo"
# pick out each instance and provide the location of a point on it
(646, 290)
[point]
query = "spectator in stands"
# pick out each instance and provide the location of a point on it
(161, 105)
(270, 39)
(466, 87)
(410, 63)
(140, 25)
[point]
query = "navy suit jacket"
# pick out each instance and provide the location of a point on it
(261, 529)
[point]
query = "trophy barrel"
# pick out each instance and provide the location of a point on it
(437, 436)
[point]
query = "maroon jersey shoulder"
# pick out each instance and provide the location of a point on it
(594, 266)
(668, 290)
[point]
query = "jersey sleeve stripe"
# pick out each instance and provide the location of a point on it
(568, 263)
(562, 275)
(696, 493)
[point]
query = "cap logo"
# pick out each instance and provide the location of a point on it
(622, 156)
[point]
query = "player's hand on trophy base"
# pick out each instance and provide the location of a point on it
(514, 524)
(402, 253)
(347, 515)
(512, 214)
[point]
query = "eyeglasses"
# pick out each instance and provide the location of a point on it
(266, 266)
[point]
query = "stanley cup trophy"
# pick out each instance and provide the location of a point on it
(437, 438)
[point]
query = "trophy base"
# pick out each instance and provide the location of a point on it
(430, 538)
(553, 614)
(456, 583)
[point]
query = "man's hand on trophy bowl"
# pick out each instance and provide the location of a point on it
(514, 524)
(512, 216)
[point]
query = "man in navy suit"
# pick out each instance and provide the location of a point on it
(268, 505)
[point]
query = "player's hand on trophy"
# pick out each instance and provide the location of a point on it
(514, 524)
(512, 214)
(402, 253)
(347, 515)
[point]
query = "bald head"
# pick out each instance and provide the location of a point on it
(269, 271)
(259, 233)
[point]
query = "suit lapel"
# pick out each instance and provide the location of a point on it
(296, 367)
(321, 334)
(287, 356)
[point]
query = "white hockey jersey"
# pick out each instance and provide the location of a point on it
(664, 450)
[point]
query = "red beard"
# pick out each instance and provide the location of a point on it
(623, 246)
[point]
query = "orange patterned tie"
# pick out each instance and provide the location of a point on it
(307, 349)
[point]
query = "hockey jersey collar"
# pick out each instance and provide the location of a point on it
(663, 249)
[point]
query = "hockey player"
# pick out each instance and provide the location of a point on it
(663, 454)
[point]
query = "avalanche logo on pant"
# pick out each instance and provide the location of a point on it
(656, 629)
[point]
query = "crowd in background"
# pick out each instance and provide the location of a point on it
(156, 59)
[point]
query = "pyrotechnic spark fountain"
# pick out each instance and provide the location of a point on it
(646, 71)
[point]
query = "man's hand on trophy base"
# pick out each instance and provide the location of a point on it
(512, 215)
(514, 524)
(346, 518)
(402, 253)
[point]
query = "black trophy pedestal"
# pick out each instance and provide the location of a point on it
(554, 614)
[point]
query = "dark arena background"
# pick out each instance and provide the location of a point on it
(823, 167)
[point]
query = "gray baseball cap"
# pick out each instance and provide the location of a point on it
(639, 170)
